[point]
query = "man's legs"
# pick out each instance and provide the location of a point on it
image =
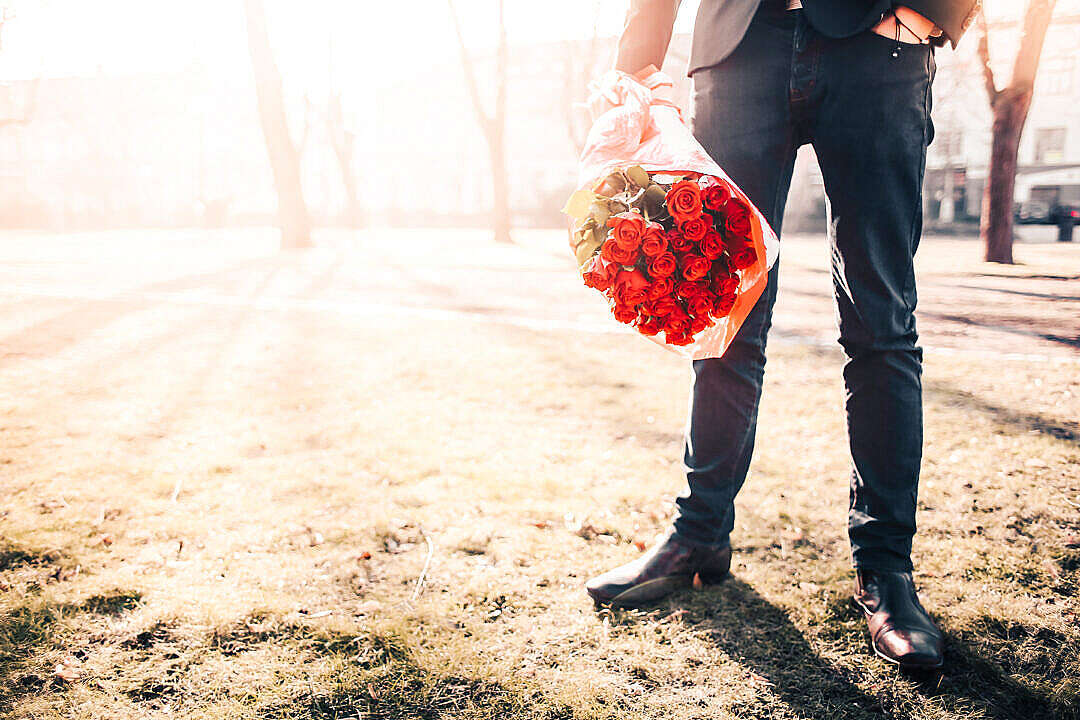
(742, 116)
(870, 133)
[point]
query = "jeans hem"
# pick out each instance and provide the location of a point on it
(880, 565)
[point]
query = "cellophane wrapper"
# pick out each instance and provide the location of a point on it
(636, 122)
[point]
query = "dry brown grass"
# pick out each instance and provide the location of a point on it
(313, 451)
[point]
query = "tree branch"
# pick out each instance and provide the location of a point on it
(501, 61)
(1036, 20)
(984, 57)
(470, 75)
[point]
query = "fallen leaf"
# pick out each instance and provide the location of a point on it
(68, 669)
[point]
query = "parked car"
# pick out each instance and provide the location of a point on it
(1032, 212)
(1065, 213)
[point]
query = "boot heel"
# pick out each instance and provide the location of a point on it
(712, 578)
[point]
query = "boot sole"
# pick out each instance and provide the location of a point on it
(655, 589)
(892, 660)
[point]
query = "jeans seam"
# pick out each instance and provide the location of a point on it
(763, 331)
(909, 280)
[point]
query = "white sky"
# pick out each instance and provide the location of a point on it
(370, 38)
(65, 37)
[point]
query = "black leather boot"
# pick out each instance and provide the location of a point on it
(668, 566)
(900, 630)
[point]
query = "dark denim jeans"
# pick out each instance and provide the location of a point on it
(867, 116)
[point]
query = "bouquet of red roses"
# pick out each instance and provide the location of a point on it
(677, 249)
(665, 249)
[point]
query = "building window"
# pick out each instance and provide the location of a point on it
(1049, 145)
(1056, 76)
(949, 144)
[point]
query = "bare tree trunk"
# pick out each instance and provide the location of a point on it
(500, 192)
(284, 161)
(493, 126)
(342, 142)
(1010, 108)
(996, 221)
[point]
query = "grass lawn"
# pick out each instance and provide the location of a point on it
(230, 510)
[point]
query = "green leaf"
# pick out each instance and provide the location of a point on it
(584, 251)
(652, 200)
(638, 176)
(599, 235)
(617, 206)
(599, 212)
(578, 205)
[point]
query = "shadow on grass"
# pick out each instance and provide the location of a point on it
(31, 628)
(55, 333)
(760, 636)
(1002, 326)
(1065, 430)
(972, 679)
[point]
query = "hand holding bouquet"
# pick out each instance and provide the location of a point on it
(657, 227)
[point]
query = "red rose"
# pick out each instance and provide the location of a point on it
(663, 265)
(607, 249)
(701, 305)
(650, 325)
(654, 242)
(712, 245)
(723, 306)
(695, 228)
(624, 313)
(631, 287)
(627, 229)
(737, 218)
(613, 252)
(661, 307)
(725, 284)
(713, 193)
(744, 257)
(678, 338)
(695, 267)
(688, 289)
(699, 323)
(599, 274)
(684, 200)
(660, 287)
(676, 240)
(720, 266)
(677, 322)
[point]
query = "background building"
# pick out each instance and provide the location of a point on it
(185, 147)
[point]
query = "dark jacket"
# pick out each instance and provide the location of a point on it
(720, 25)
